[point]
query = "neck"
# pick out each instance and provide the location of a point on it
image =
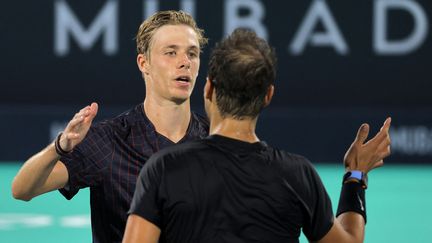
(243, 130)
(169, 118)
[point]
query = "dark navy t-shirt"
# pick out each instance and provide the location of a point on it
(224, 190)
(109, 160)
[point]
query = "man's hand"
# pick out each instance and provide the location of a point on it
(368, 156)
(77, 128)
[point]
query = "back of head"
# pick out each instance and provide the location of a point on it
(242, 67)
(159, 19)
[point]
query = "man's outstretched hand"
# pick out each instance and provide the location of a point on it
(77, 128)
(367, 155)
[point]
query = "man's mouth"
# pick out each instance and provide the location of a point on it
(183, 79)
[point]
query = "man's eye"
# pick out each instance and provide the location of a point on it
(193, 54)
(170, 53)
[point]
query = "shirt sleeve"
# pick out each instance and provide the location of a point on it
(87, 161)
(320, 214)
(147, 200)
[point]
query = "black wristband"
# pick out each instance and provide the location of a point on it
(352, 199)
(58, 149)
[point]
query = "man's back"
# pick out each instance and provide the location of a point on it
(232, 188)
(227, 190)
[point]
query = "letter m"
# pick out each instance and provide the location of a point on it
(68, 26)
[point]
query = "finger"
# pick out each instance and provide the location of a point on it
(84, 109)
(380, 146)
(382, 136)
(378, 164)
(82, 112)
(384, 130)
(87, 111)
(92, 112)
(76, 115)
(362, 134)
(382, 139)
(386, 125)
(72, 135)
(74, 122)
(385, 152)
(93, 109)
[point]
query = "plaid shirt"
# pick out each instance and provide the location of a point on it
(109, 160)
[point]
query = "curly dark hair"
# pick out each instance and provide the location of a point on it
(242, 67)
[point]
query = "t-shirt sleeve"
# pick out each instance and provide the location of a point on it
(320, 214)
(147, 201)
(87, 161)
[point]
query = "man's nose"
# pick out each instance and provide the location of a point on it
(184, 62)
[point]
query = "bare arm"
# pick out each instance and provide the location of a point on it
(39, 174)
(350, 226)
(43, 172)
(140, 230)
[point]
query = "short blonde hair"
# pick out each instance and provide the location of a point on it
(161, 18)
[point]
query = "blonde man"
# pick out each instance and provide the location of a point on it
(108, 156)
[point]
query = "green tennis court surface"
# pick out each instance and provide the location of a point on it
(399, 201)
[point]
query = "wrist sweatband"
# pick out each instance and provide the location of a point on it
(352, 199)
(58, 149)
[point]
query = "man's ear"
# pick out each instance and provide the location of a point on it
(208, 89)
(269, 95)
(142, 62)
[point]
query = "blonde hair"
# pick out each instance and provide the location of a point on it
(161, 18)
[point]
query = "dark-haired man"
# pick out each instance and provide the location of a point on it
(230, 186)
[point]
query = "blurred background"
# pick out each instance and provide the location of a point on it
(340, 64)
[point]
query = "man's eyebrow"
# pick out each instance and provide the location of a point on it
(176, 47)
(195, 48)
(171, 47)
